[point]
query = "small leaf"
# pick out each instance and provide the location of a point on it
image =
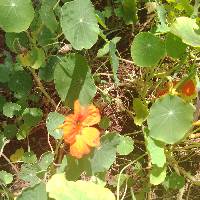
(79, 24)
(18, 155)
(29, 157)
(60, 189)
(74, 80)
(103, 157)
(168, 121)
(129, 11)
(20, 83)
(157, 175)
(16, 16)
(10, 131)
(174, 46)
(147, 50)
(10, 109)
(125, 146)
(174, 181)
(32, 116)
(38, 192)
(23, 131)
(45, 160)
(5, 177)
(141, 111)
(37, 58)
(105, 122)
(29, 172)
(54, 120)
(189, 34)
(4, 73)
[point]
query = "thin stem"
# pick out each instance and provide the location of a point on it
(118, 181)
(41, 87)
(8, 160)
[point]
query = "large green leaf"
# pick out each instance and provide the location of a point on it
(73, 80)
(187, 29)
(61, 189)
(174, 46)
(147, 50)
(47, 15)
(170, 118)
(54, 120)
(16, 15)
(38, 192)
(79, 24)
(104, 156)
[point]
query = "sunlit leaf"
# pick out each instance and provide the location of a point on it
(5, 177)
(170, 118)
(79, 24)
(10, 109)
(147, 50)
(18, 155)
(61, 189)
(16, 15)
(125, 146)
(157, 175)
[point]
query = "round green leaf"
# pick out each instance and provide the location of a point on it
(5, 177)
(54, 120)
(23, 131)
(45, 160)
(10, 109)
(126, 145)
(105, 122)
(186, 28)
(170, 118)
(74, 80)
(79, 24)
(147, 50)
(20, 83)
(32, 116)
(174, 46)
(16, 15)
(61, 189)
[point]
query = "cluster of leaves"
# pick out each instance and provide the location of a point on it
(48, 42)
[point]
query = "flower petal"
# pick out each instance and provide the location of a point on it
(79, 148)
(90, 136)
(92, 116)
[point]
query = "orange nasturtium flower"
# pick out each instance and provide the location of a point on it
(188, 88)
(78, 132)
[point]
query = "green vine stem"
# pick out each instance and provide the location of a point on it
(41, 87)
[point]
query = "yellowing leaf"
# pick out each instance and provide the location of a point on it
(61, 189)
(17, 156)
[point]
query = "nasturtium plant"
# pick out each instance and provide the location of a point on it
(79, 24)
(16, 15)
(5, 177)
(125, 146)
(157, 175)
(10, 109)
(147, 50)
(170, 119)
